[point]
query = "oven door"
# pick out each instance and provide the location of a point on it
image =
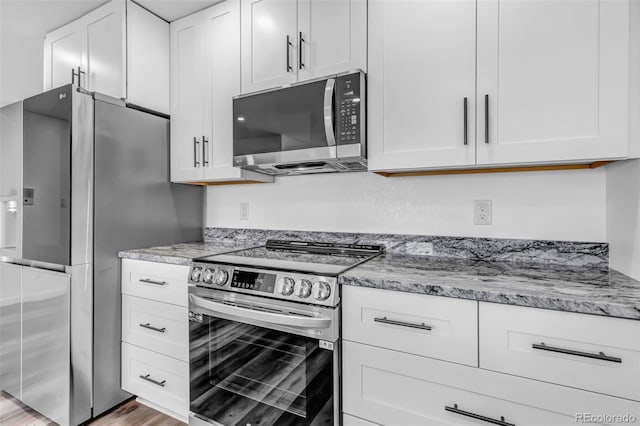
(258, 362)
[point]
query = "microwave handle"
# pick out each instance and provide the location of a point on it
(329, 92)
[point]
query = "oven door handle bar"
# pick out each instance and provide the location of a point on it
(296, 321)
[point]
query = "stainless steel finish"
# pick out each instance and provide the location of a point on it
(11, 129)
(148, 378)
(301, 40)
(196, 163)
(71, 370)
(288, 47)
(149, 281)
(600, 355)
(421, 326)
(329, 92)
(46, 343)
(465, 122)
(456, 410)
(284, 157)
(195, 420)
(10, 355)
(81, 178)
(291, 317)
(151, 212)
(148, 326)
(278, 318)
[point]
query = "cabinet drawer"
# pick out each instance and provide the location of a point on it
(156, 326)
(431, 326)
(557, 347)
(156, 281)
(141, 368)
(348, 420)
(394, 388)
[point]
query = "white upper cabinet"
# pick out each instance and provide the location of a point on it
(269, 44)
(285, 41)
(119, 49)
(556, 75)
(186, 98)
(63, 49)
(545, 82)
(421, 76)
(332, 37)
(205, 76)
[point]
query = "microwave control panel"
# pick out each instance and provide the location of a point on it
(349, 108)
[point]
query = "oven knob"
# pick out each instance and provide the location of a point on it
(321, 290)
(303, 289)
(207, 275)
(196, 274)
(286, 286)
(220, 278)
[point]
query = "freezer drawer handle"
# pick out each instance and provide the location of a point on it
(456, 410)
(150, 281)
(155, 382)
(422, 326)
(600, 355)
(150, 327)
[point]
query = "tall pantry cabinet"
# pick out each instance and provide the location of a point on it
(544, 82)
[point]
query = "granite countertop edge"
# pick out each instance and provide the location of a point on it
(182, 254)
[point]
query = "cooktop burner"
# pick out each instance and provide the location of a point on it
(301, 256)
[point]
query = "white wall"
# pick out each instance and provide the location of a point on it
(623, 216)
(561, 205)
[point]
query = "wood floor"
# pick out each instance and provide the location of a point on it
(13, 413)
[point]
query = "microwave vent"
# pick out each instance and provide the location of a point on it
(353, 166)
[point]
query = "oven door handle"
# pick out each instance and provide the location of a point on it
(329, 90)
(296, 321)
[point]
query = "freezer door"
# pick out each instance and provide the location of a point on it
(46, 363)
(46, 192)
(10, 289)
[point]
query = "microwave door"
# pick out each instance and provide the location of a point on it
(287, 125)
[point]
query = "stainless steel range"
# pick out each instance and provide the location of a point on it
(264, 333)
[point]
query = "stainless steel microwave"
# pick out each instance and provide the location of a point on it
(312, 127)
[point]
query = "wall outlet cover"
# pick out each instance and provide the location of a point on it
(244, 211)
(482, 212)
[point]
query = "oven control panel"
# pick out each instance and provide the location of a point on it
(293, 286)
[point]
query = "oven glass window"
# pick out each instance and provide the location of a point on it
(243, 374)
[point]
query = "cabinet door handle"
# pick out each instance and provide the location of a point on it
(155, 382)
(205, 144)
(456, 410)
(196, 142)
(421, 326)
(486, 118)
(150, 281)
(73, 76)
(300, 41)
(148, 326)
(601, 356)
(288, 46)
(466, 119)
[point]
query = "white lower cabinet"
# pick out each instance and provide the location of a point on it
(348, 420)
(157, 378)
(155, 335)
(395, 388)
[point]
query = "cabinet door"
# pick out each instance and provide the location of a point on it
(46, 363)
(63, 50)
(106, 49)
(222, 82)
(332, 37)
(186, 98)
(421, 70)
(268, 60)
(556, 76)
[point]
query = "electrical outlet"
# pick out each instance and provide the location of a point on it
(244, 211)
(482, 212)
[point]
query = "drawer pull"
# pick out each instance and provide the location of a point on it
(384, 320)
(150, 327)
(149, 281)
(541, 346)
(155, 382)
(456, 410)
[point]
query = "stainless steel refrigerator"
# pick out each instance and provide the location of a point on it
(82, 176)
